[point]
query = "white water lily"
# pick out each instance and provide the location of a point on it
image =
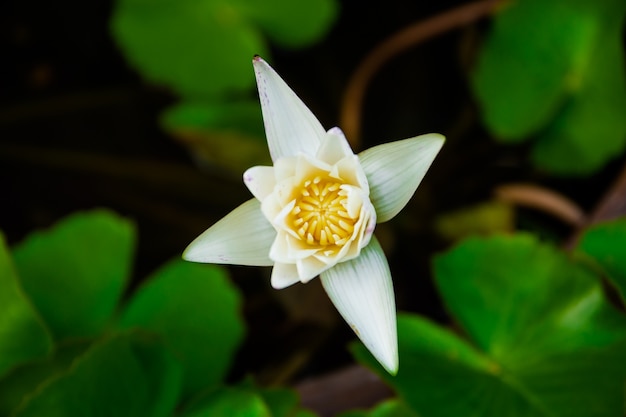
(314, 213)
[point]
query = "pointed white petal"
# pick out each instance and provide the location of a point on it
(309, 268)
(362, 291)
(260, 180)
(243, 237)
(284, 275)
(334, 147)
(290, 126)
(394, 170)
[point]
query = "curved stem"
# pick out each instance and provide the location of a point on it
(404, 39)
(610, 207)
(543, 199)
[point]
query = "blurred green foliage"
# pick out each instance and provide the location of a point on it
(24, 335)
(68, 273)
(228, 134)
(480, 219)
(606, 244)
(185, 322)
(389, 408)
(69, 347)
(202, 50)
(554, 72)
(543, 339)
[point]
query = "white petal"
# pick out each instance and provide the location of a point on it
(243, 237)
(362, 291)
(394, 170)
(290, 126)
(349, 170)
(334, 147)
(309, 268)
(260, 180)
(284, 275)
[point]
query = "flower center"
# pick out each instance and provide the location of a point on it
(320, 216)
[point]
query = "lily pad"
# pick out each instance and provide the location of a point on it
(554, 71)
(23, 335)
(281, 402)
(389, 408)
(229, 401)
(229, 135)
(606, 243)
(544, 341)
(24, 381)
(123, 375)
(293, 24)
(590, 129)
(196, 310)
(75, 272)
(203, 48)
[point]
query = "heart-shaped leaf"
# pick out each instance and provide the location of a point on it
(76, 271)
(23, 335)
(196, 310)
(554, 70)
(545, 341)
(606, 243)
(122, 375)
(203, 48)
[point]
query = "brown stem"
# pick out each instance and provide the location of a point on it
(543, 199)
(404, 39)
(611, 206)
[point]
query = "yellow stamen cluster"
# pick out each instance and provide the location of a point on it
(319, 216)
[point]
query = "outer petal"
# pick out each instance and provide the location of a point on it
(260, 180)
(362, 291)
(243, 237)
(290, 126)
(394, 170)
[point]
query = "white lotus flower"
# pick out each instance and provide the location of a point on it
(314, 213)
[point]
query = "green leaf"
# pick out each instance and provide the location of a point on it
(243, 116)
(23, 335)
(162, 370)
(281, 402)
(591, 129)
(545, 342)
(123, 375)
(482, 219)
(203, 48)
(232, 402)
(393, 408)
(76, 271)
(292, 24)
(389, 408)
(198, 47)
(441, 375)
(524, 70)
(563, 303)
(556, 69)
(305, 413)
(196, 310)
(25, 380)
(229, 135)
(606, 243)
